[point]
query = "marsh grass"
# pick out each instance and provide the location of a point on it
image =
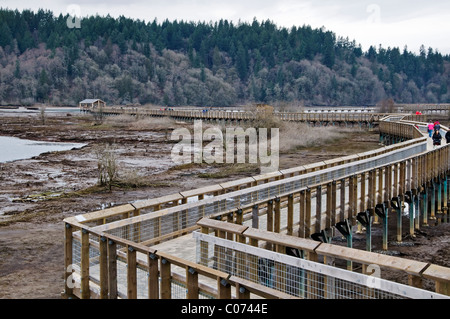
(295, 136)
(227, 170)
(141, 123)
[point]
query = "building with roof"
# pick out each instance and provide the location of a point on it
(91, 104)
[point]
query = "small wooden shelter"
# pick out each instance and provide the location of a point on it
(92, 104)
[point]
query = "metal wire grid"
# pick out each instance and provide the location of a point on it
(162, 225)
(297, 277)
(176, 218)
(94, 254)
(178, 288)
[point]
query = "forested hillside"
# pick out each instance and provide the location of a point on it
(122, 60)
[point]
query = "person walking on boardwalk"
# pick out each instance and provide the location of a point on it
(447, 137)
(437, 126)
(437, 137)
(430, 128)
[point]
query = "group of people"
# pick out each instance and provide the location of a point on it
(434, 131)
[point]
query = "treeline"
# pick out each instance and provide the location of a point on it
(122, 60)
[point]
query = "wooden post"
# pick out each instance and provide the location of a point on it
(131, 273)
(354, 205)
(379, 198)
(442, 287)
(308, 230)
(318, 222)
(223, 288)
(439, 197)
(395, 192)
(255, 216)
(402, 181)
(362, 199)
(277, 219)
(302, 212)
(333, 203)
(103, 267)
(85, 290)
(411, 214)
(153, 277)
(362, 202)
(371, 191)
(269, 224)
(242, 292)
(425, 205)
(239, 217)
(270, 216)
(68, 260)
(414, 173)
(445, 198)
(329, 206)
(112, 269)
(165, 274)
(432, 199)
(417, 210)
(342, 200)
(290, 215)
(415, 281)
(192, 283)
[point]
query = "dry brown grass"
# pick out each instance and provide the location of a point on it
(141, 123)
(295, 135)
(300, 135)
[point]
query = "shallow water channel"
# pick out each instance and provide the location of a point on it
(13, 148)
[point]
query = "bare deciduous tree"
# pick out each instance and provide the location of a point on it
(107, 165)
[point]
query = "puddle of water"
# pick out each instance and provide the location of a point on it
(13, 148)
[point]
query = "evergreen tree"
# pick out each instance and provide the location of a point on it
(215, 63)
(5, 35)
(241, 62)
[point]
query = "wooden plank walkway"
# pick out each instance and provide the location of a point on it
(302, 211)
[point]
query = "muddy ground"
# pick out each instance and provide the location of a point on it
(38, 193)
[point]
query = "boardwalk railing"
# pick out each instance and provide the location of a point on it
(327, 196)
(297, 275)
(151, 228)
(145, 206)
(349, 117)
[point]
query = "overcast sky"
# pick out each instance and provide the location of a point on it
(387, 22)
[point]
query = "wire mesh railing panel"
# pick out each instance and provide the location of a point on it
(176, 218)
(94, 254)
(178, 290)
(295, 276)
(76, 254)
(142, 283)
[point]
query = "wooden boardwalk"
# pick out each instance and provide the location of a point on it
(303, 203)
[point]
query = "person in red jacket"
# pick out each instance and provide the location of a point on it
(430, 128)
